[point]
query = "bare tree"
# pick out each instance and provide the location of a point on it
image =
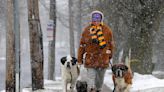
(134, 23)
(145, 24)
(36, 45)
(51, 64)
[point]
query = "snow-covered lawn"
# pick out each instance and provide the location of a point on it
(141, 83)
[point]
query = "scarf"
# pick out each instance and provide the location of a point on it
(97, 35)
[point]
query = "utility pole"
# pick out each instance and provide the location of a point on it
(51, 59)
(17, 43)
(36, 45)
(71, 29)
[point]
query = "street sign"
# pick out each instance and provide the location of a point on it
(50, 29)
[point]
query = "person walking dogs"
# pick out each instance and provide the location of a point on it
(96, 50)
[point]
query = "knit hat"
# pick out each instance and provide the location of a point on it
(97, 16)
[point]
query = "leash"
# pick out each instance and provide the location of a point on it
(114, 89)
(71, 77)
(114, 83)
(111, 64)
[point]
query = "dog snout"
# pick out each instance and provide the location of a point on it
(68, 64)
(119, 73)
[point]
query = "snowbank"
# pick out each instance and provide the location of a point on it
(141, 83)
(49, 86)
(2, 58)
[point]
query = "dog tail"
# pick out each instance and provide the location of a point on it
(128, 59)
(120, 58)
(128, 62)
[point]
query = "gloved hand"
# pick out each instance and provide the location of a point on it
(110, 53)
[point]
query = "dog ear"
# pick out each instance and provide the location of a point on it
(74, 60)
(113, 68)
(63, 59)
(125, 67)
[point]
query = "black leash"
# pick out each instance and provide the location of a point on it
(113, 90)
(112, 72)
(111, 64)
(71, 77)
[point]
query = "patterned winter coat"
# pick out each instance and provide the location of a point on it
(91, 54)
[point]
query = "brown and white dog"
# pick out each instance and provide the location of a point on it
(122, 78)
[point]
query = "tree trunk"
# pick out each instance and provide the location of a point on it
(10, 49)
(51, 64)
(145, 25)
(71, 29)
(142, 48)
(36, 45)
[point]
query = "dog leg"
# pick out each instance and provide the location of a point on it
(116, 89)
(64, 86)
(92, 90)
(127, 88)
(72, 86)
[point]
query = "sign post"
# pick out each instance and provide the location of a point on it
(51, 50)
(17, 44)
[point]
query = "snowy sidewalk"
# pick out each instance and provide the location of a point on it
(141, 83)
(56, 86)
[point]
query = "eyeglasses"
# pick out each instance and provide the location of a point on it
(96, 17)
